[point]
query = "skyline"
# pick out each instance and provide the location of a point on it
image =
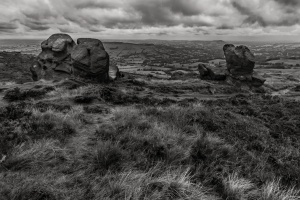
(228, 20)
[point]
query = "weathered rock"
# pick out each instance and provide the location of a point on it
(240, 61)
(40, 71)
(61, 58)
(257, 80)
(54, 62)
(114, 72)
(56, 48)
(202, 70)
(217, 73)
(90, 60)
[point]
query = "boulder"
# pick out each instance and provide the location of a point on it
(62, 58)
(54, 62)
(239, 60)
(212, 72)
(90, 60)
(217, 73)
(257, 80)
(114, 72)
(56, 48)
(202, 70)
(40, 71)
(240, 63)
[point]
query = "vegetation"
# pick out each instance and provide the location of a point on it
(110, 142)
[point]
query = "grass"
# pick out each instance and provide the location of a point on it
(17, 94)
(126, 147)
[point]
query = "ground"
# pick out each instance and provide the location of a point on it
(141, 137)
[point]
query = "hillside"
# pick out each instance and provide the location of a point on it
(147, 138)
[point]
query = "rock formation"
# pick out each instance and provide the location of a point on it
(90, 60)
(114, 72)
(61, 58)
(212, 72)
(239, 69)
(239, 60)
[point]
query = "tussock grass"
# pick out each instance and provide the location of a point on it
(275, 191)
(17, 94)
(239, 188)
(226, 149)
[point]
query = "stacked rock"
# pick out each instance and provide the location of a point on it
(239, 69)
(240, 64)
(61, 58)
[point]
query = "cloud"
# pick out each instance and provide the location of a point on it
(289, 2)
(7, 27)
(112, 18)
(268, 13)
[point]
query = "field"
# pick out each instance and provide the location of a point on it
(147, 138)
(159, 132)
(285, 61)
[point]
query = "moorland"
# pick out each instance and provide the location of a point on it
(159, 132)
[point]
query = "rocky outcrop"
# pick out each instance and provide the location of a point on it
(239, 69)
(239, 60)
(54, 62)
(61, 58)
(90, 60)
(240, 63)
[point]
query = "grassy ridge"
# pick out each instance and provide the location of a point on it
(102, 143)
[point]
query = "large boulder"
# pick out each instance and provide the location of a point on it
(61, 58)
(54, 62)
(90, 60)
(240, 63)
(56, 48)
(239, 60)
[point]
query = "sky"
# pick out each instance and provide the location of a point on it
(236, 20)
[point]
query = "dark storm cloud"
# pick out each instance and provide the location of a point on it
(283, 17)
(149, 16)
(95, 5)
(186, 8)
(7, 27)
(289, 2)
(225, 27)
(35, 25)
(169, 12)
(154, 13)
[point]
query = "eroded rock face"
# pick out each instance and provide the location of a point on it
(240, 63)
(239, 60)
(55, 58)
(61, 58)
(90, 60)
